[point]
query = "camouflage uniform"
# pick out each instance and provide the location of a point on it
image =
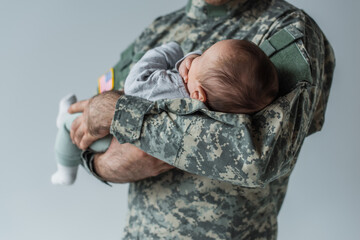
(232, 169)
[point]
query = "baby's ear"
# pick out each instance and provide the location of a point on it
(201, 94)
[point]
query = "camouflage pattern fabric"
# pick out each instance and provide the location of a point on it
(233, 169)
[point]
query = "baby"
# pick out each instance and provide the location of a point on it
(233, 76)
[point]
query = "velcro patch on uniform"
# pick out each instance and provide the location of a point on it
(106, 81)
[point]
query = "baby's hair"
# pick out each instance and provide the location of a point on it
(244, 81)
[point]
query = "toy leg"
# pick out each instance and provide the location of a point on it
(66, 153)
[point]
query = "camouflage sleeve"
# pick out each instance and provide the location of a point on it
(320, 56)
(250, 151)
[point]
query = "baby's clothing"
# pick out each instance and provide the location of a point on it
(153, 77)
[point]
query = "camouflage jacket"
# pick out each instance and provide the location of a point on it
(232, 169)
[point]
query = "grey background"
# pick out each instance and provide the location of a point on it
(49, 48)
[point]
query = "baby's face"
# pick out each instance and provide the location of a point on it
(208, 60)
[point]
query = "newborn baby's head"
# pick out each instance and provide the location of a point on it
(233, 76)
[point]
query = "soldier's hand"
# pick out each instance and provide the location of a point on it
(185, 66)
(123, 163)
(95, 121)
(78, 128)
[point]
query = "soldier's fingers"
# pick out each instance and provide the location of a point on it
(78, 135)
(74, 126)
(86, 141)
(78, 106)
(77, 130)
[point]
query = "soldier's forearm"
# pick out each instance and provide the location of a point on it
(216, 145)
(104, 169)
(123, 163)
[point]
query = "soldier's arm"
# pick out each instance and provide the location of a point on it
(245, 150)
(120, 158)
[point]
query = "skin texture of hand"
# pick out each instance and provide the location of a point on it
(185, 66)
(216, 2)
(123, 163)
(95, 121)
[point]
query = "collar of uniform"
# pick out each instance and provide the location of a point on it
(199, 9)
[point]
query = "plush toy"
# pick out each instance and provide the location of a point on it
(67, 154)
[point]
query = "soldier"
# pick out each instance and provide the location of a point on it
(224, 176)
